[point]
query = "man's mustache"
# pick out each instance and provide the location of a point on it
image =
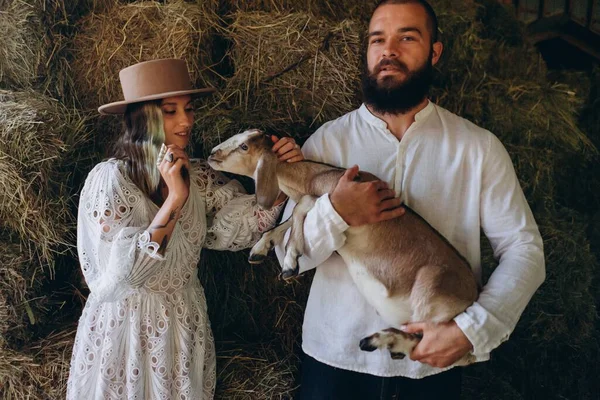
(386, 62)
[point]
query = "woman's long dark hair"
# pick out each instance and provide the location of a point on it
(140, 143)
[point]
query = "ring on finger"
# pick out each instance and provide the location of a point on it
(169, 157)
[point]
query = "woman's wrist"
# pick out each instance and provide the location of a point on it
(175, 201)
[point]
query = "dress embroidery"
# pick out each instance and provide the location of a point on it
(144, 332)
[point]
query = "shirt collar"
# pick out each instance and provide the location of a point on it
(365, 114)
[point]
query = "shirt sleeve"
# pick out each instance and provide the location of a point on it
(114, 246)
(234, 218)
(508, 223)
(324, 228)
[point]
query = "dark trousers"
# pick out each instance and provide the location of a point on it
(323, 382)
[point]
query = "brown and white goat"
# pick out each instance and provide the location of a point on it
(405, 269)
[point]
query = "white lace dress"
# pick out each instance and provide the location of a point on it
(144, 333)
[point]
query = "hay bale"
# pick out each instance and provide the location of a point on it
(41, 146)
(32, 52)
(25, 46)
(292, 71)
(129, 33)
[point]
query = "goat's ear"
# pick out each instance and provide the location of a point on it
(267, 187)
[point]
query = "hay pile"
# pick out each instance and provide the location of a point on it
(338, 10)
(499, 82)
(125, 34)
(43, 151)
(256, 370)
(39, 372)
(504, 89)
(19, 305)
(292, 72)
(290, 67)
(558, 329)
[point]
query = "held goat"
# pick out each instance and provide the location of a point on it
(405, 269)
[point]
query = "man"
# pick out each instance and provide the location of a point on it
(454, 174)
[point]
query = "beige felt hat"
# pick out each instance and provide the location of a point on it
(153, 80)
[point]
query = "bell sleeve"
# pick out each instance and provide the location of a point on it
(234, 218)
(114, 246)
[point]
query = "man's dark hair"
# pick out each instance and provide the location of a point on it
(432, 22)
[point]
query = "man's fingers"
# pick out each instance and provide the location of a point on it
(351, 173)
(391, 214)
(381, 185)
(389, 204)
(414, 327)
(386, 194)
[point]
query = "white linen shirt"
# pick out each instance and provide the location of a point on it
(457, 176)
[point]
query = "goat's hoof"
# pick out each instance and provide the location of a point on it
(366, 345)
(257, 258)
(397, 356)
(289, 273)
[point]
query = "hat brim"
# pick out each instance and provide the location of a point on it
(119, 107)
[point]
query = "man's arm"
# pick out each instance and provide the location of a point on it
(351, 204)
(508, 223)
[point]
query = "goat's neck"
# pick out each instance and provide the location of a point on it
(297, 179)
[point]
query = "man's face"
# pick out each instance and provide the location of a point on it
(400, 57)
(399, 41)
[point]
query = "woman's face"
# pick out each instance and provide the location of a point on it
(178, 116)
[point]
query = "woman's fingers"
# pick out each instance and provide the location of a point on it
(295, 159)
(284, 145)
(286, 148)
(174, 153)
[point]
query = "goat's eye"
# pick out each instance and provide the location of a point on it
(244, 146)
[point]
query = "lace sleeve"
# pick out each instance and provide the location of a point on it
(235, 221)
(115, 250)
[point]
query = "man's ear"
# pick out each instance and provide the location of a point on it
(437, 48)
(267, 186)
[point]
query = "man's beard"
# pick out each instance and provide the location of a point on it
(392, 97)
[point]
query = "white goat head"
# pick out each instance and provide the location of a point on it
(249, 153)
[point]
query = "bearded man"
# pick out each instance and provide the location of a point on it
(456, 175)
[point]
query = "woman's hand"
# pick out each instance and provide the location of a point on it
(287, 149)
(170, 169)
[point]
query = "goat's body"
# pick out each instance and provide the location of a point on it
(405, 269)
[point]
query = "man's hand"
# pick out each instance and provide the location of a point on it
(442, 344)
(361, 203)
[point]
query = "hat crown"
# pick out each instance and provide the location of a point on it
(154, 77)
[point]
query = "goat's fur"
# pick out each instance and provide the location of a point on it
(405, 269)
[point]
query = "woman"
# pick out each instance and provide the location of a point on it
(144, 332)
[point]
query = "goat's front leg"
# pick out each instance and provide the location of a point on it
(397, 342)
(295, 245)
(400, 344)
(269, 239)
